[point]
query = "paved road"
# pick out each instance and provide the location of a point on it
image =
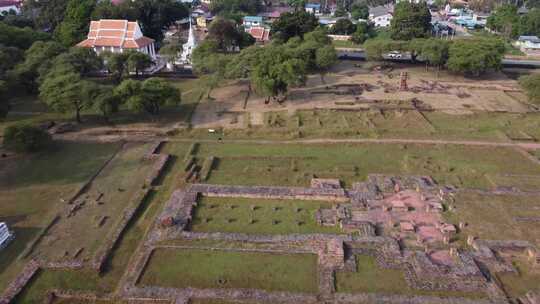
(348, 54)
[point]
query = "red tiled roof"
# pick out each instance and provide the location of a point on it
(115, 33)
(259, 33)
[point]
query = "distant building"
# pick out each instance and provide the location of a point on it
(314, 8)
(381, 15)
(5, 235)
(275, 12)
(261, 34)
(528, 43)
(10, 6)
(252, 21)
(204, 20)
(117, 36)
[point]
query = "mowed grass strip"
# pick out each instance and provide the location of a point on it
(199, 268)
(295, 164)
(258, 216)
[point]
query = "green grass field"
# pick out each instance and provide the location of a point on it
(200, 268)
(31, 188)
(295, 165)
(237, 215)
(116, 265)
(370, 278)
(495, 217)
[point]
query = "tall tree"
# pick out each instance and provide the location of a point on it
(21, 38)
(148, 95)
(343, 27)
(294, 24)
(326, 57)
(65, 91)
(37, 62)
(48, 14)
(138, 62)
(475, 56)
(505, 20)
(276, 72)
(411, 20)
(74, 27)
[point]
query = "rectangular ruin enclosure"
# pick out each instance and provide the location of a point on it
(369, 277)
(259, 216)
(498, 217)
(201, 268)
(97, 211)
(295, 165)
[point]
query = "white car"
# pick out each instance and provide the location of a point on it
(394, 55)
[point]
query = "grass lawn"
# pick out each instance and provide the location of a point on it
(517, 285)
(494, 216)
(370, 278)
(115, 266)
(120, 181)
(229, 269)
(31, 188)
(235, 215)
(295, 165)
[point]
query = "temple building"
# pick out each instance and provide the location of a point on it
(107, 35)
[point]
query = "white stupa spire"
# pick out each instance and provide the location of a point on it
(188, 47)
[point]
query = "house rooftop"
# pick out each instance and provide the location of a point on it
(534, 39)
(381, 10)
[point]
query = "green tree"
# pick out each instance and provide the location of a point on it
(276, 72)
(156, 15)
(411, 20)
(363, 32)
(360, 11)
(241, 65)
(48, 14)
(343, 27)
(148, 95)
(137, 62)
(530, 23)
(171, 51)
(475, 56)
(74, 27)
(293, 24)
(64, 91)
(21, 38)
(82, 60)
(38, 61)
(244, 7)
(435, 52)
(26, 138)
(326, 57)
(531, 85)
(505, 20)
(105, 102)
(117, 65)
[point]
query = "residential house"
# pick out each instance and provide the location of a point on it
(314, 8)
(274, 13)
(381, 15)
(5, 235)
(117, 36)
(252, 21)
(529, 43)
(10, 6)
(261, 34)
(204, 20)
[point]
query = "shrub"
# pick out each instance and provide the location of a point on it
(26, 138)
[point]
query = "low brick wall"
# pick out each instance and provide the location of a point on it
(17, 285)
(109, 244)
(265, 192)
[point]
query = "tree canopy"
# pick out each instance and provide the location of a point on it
(293, 24)
(148, 95)
(26, 138)
(411, 20)
(475, 56)
(74, 26)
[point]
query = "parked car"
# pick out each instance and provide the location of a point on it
(394, 55)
